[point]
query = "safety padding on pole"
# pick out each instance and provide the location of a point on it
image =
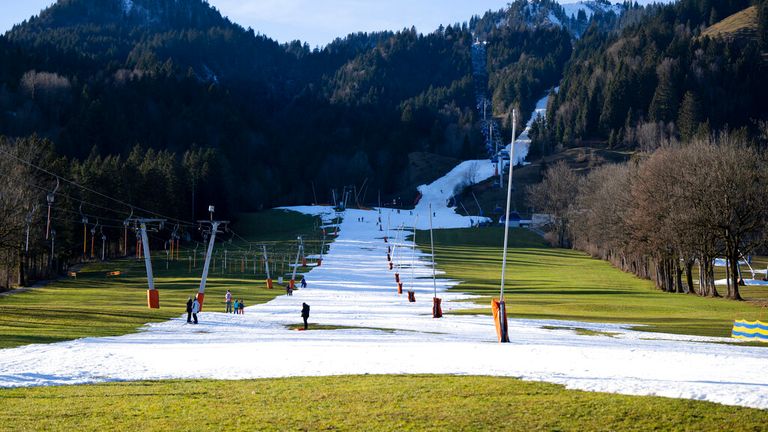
(200, 298)
(397, 277)
(153, 299)
(500, 320)
(411, 296)
(293, 284)
(269, 283)
(319, 262)
(437, 311)
(400, 288)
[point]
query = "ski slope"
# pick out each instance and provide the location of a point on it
(385, 334)
(523, 142)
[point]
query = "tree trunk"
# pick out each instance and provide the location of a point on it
(734, 263)
(22, 262)
(689, 277)
(678, 277)
(711, 279)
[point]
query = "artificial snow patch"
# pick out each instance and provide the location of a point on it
(523, 142)
(386, 334)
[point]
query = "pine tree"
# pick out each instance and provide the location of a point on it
(689, 117)
(664, 104)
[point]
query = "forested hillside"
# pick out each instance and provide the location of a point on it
(663, 77)
(101, 77)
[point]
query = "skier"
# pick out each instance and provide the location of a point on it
(303, 282)
(189, 310)
(237, 307)
(242, 307)
(195, 309)
(305, 314)
(288, 289)
(228, 298)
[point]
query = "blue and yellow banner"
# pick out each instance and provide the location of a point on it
(750, 330)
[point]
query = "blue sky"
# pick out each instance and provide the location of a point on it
(314, 21)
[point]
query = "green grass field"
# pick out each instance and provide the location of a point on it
(564, 284)
(96, 305)
(366, 403)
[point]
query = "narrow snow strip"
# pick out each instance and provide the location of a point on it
(523, 142)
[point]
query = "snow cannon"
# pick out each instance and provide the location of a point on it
(500, 320)
(153, 299)
(200, 298)
(437, 311)
(269, 283)
(400, 288)
(397, 277)
(411, 297)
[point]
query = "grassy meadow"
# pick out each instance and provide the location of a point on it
(370, 403)
(93, 304)
(562, 284)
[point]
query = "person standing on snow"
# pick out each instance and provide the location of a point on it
(305, 314)
(303, 282)
(228, 299)
(189, 310)
(195, 309)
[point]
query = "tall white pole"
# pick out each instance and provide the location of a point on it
(207, 265)
(509, 201)
(147, 259)
(432, 244)
(296, 264)
(266, 261)
(413, 251)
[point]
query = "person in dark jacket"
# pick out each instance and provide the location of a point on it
(195, 309)
(305, 314)
(189, 310)
(303, 282)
